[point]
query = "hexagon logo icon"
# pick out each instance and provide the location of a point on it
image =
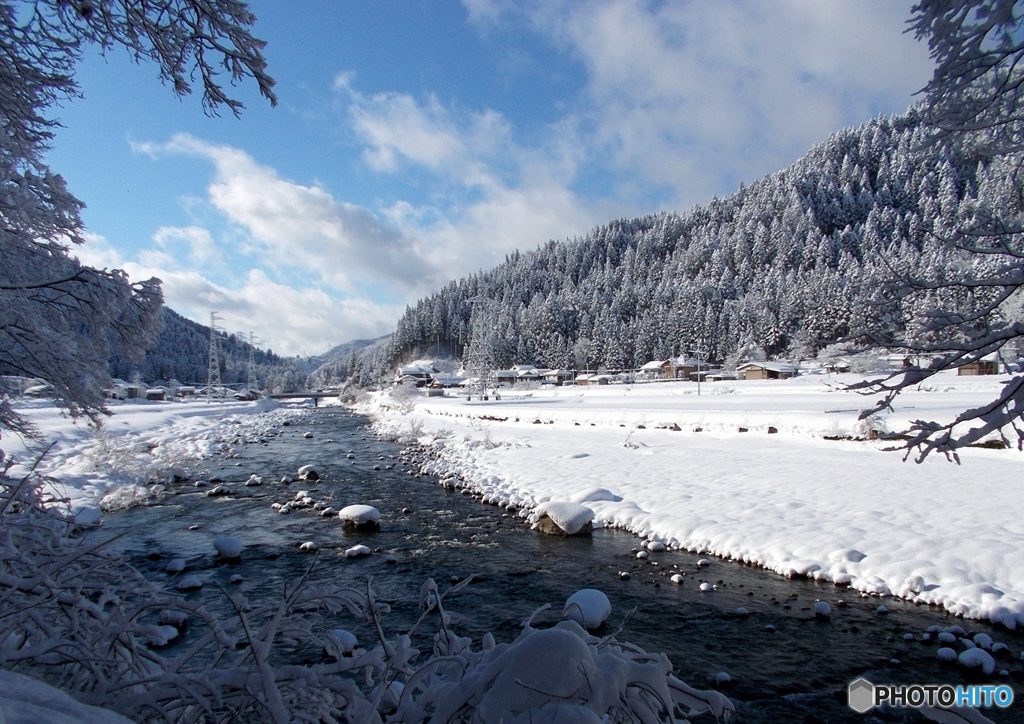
(861, 695)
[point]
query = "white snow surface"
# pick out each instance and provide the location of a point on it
(792, 501)
(140, 443)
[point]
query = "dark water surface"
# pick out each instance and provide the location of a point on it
(796, 673)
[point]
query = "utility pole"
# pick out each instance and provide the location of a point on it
(698, 354)
(252, 362)
(213, 367)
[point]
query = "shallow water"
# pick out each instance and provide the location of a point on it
(796, 673)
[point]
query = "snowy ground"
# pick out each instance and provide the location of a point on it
(140, 443)
(792, 501)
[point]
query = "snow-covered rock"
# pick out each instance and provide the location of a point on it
(175, 565)
(253, 481)
(189, 583)
(308, 472)
(822, 610)
(977, 660)
(357, 551)
(308, 546)
(170, 617)
(946, 654)
(88, 516)
(677, 578)
(228, 547)
(161, 635)
(339, 642)
(360, 517)
(562, 517)
(587, 607)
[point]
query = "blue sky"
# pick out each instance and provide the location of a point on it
(416, 142)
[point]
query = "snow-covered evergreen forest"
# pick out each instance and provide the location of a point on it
(182, 350)
(783, 267)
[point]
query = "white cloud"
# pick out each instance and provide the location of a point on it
(199, 244)
(491, 195)
(297, 226)
(288, 320)
(698, 96)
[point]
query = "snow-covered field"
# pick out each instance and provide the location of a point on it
(746, 471)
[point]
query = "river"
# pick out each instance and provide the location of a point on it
(784, 664)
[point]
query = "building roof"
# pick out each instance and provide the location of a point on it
(773, 366)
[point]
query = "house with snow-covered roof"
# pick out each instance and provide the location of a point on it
(558, 377)
(765, 371)
(987, 365)
(673, 368)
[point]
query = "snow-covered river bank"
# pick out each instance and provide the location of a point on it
(757, 472)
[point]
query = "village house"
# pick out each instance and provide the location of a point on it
(765, 371)
(558, 377)
(673, 368)
(987, 365)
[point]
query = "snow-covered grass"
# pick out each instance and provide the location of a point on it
(777, 473)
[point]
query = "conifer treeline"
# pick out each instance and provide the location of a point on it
(782, 267)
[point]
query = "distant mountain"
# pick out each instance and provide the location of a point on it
(341, 362)
(182, 352)
(784, 266)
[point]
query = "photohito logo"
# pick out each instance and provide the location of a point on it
(862, 695)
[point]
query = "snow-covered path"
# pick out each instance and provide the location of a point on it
(791, 501)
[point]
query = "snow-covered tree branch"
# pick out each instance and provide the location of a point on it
(969, 306)
(58, 318)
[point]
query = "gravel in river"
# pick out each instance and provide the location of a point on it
(784, 664)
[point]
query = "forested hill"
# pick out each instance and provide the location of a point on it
(783, 266)
(182, 352)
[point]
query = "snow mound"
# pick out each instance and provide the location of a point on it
(588, 607)
(228, 547)
(518, 682)
(596, 494)
(24, 700)
(569, 516)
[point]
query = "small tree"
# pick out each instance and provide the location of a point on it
(58, 318)
(969, 305)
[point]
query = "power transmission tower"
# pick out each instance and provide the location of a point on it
(213, 368)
